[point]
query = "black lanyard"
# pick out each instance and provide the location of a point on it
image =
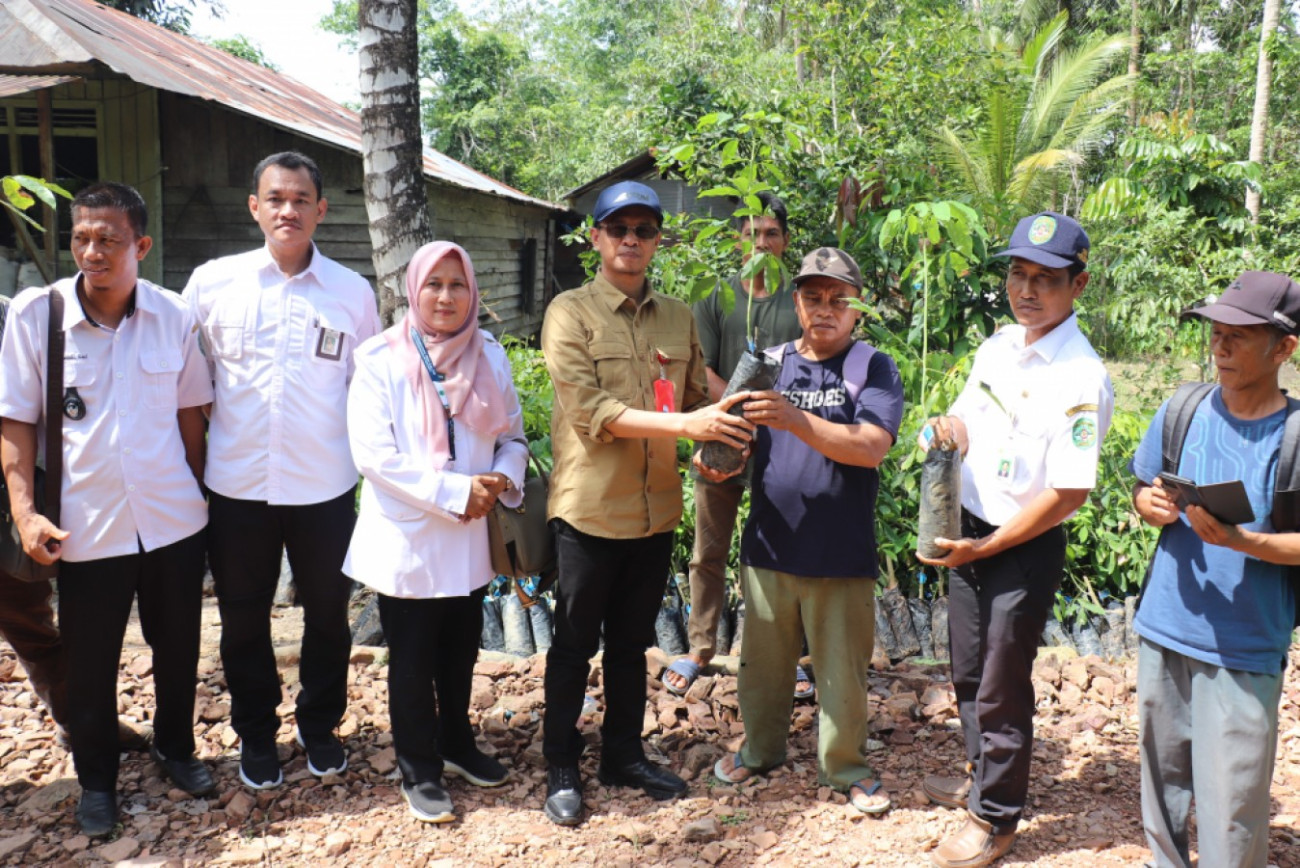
(437, 379)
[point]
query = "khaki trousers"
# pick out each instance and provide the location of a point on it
(716, 505)
(838, 617)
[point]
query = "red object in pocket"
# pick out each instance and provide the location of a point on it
(665, 396)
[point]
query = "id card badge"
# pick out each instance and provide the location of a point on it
(665, 392)
(329, 344)
(1006, 462)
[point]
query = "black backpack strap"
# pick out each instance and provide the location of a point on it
(1288, 468)
(1286, 489)
(1178, 418)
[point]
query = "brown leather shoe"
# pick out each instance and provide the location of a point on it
(975, 846)
(946, 791)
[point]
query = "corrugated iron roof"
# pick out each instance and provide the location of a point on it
(62, 36)
(17, 85)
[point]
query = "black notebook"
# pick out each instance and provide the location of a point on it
(1226, 501)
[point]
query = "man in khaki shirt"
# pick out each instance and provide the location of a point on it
(616, 494)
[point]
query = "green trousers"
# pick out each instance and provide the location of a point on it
(838, 617)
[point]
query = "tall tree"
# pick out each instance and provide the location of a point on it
(1263, 90)
(392, 152)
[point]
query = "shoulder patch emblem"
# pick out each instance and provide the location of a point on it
(1042, 229)
(1084, 432)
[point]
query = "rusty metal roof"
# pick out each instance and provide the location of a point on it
(16, 85)
(67, 37)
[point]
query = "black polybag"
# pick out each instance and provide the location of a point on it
(940, 500)
(753, 374)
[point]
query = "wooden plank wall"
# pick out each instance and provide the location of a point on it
(128, 146)
(210, 151)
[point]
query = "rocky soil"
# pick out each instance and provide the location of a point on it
(1083, 809)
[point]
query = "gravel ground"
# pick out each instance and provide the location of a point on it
(1083, 807)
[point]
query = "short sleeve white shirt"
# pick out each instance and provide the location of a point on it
(409, 541)
(1035, 415)
(125, 479)
(280, 352)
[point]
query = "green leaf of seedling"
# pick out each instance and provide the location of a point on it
(19, 212)
(720, 191)
(43, 190)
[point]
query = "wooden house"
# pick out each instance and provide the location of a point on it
(89, 93)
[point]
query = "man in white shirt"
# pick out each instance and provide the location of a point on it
(133, 516)
(279, 325)
(1029, 422)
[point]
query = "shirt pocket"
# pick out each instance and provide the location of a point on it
(329, 341)
(160, 369)
(225, 340)
(615, 369)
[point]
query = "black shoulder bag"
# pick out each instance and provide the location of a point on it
(48, 481)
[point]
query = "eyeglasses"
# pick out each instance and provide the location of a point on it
(643, 231)
(837, 303)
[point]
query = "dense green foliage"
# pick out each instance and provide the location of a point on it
(913, 133)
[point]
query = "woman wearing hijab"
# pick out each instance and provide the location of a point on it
(437, 433)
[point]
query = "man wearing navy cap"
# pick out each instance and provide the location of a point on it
(1029, 424)
(629, 380)
(1218, 610)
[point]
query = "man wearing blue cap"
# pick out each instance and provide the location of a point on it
(1218, 610)
(629, 380)
(1029, 424)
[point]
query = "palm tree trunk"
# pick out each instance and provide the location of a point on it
(397, 204)
(1134, 58)
(1263, 90)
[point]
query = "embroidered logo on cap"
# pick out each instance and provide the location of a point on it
(1042, 229)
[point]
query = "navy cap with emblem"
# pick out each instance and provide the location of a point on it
(1256, 298)
(625, 194)
(1050, 239)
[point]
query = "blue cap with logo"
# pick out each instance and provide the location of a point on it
(1049, 239)
(625, 194)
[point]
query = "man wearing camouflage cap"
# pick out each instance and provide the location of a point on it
(809, 550)
(1029, 424)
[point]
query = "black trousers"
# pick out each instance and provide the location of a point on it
(27, 624)
(246, 538)
(94, 606)
(997, 609)
(617, 585)
(432, 646)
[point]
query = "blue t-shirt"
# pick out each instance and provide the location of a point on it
(1209, 602)
(809, 515)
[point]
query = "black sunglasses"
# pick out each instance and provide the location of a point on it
(643, 231)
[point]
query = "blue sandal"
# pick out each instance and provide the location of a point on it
(869, 797)
(801, 674)
(687, 669)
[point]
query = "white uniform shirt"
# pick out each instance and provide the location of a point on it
(408, 541)
(1035, 415)
(124, 469)
(280, 350)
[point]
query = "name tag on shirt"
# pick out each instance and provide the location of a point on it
(329, 345)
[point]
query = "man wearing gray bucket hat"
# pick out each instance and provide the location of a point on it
(1218, 610)
(1029, 423)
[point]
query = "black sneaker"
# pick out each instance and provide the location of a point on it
(428, 802)
(189, 773)
(476, 767)
(325, 754)
(563, 795)
(259, 765)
